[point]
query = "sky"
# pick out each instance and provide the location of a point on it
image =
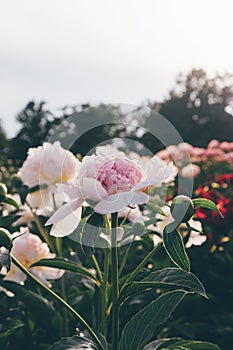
(68, 52)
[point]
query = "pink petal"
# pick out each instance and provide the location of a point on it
(64, 211)
(67, 225)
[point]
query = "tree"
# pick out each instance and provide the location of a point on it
(36, 121)
(199, 107)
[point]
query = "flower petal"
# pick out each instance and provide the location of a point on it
(140, 198)
(114, 203)
(93, 190)
(64, 211)
(67, 225)
(146, 183)
(71, 190)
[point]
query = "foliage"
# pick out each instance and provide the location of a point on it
(199, 107)
(113, 296)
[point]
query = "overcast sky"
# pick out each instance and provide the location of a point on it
(76, 51)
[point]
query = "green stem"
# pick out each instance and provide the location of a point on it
(42, 231)
(143, 262)
(58, 298)
(63, 289)
(115, 284)
(123, 262)
(104, 294)
(97, 268)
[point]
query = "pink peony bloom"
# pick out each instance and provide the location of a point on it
(190, 171)
(213, 144)
(109, 181)
(27, 249)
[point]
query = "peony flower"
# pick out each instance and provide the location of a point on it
(27, 249)
(190, 171)
(49, 165)
(26, 216)
(109, 181)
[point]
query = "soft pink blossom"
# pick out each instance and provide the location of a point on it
(27, 249)
(109, 181)
(190, 171)
(49, 164)
(213, 144)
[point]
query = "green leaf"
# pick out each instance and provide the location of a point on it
(178, 343)
(174, 246)
(41, 308)
(5, 336)
(155, 207)
(68, 265)
(74, 343)
(207, 204)
(140, 329)
(11, 201)
(7, 221)
(169, 277)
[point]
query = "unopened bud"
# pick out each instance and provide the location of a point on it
(5, 238)
(182, 208)
(138, 228)
(3, 191)
(16, 181)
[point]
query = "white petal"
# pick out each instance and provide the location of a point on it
(140, 198)
(64, 211)
(71, 190)
(146, 183)
(67, 225)
(114, 203)
(93, 190)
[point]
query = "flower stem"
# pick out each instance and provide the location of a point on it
(125, 257)
(115, 284)
(143, 262)
(63, 290)
(97, 268)
(58, 298)
(104, 294)
(41, 230)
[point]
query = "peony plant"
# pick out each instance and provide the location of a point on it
(93, 204)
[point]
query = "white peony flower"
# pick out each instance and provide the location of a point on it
(109, 181)
(49, 165)
(27, 249)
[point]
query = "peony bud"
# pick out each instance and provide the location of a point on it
(3, 191)
(5, 238)
(138, 228)
(16, 181)
(182, 208)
